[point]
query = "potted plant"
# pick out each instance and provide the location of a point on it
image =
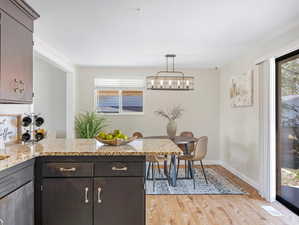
(172, 114)
(89, 124)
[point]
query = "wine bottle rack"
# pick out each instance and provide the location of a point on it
(31, 123)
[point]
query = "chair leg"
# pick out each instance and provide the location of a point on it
(168, 173)
(203, 170)
(153, 176)
(189, 168)
(148, 170)
(178, 167)
(186, 174)
(192, 173)
(159, 168)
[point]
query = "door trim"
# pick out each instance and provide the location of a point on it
(267, 128)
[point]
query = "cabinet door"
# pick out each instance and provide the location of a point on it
(67, 201)
(7, 210)
(119, 201)
(18, 207)
(16, 60)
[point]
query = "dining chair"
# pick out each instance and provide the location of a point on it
(190, 146)
(187, 134)
(200, 151)
(138, 135)
(152, 160)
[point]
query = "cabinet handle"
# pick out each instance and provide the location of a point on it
(99, 195)
(22, 89)
(119, 169)
(16, 87)
(73, 169)
(86, 195)
(1, 222)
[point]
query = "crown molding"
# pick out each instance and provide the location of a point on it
(26, 8)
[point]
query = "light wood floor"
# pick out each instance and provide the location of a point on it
(215, 209)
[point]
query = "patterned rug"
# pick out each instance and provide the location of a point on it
(217, 185)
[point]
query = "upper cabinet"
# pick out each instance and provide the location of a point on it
(16, 61)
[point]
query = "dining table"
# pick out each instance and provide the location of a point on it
(171, 174)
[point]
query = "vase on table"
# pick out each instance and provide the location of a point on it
(171, 128)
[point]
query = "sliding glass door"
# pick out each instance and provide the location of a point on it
(287, 111)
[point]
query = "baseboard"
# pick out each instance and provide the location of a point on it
(208, 162)
(241, 176)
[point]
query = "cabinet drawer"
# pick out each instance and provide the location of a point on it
(67, 170)
(131, 169)
(16, 179)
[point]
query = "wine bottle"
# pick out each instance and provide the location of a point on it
(39, 136)
(26, 121)
(39, 121)
(26, 136)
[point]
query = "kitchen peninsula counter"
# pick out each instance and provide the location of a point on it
(19, 153)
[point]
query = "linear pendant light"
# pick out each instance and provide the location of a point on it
(171, 80)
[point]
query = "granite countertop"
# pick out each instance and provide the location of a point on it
(86, 147)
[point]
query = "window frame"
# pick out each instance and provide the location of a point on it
(120, 102)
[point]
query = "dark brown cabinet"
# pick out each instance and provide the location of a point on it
(18, 206)
(67, 201)
(119, 201)
(16, 69)
(90, 191)
(17, 194)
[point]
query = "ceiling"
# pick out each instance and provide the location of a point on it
(203, 33)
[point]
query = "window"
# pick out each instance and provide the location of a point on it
(119, 96)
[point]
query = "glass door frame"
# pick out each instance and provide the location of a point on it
(286, 203)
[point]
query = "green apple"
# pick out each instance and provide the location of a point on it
(116, 132)
(109, 137)
(102, 135)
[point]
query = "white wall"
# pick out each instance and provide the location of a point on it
(239, 127)
(14, 109)
(50, 96)
(201, 106)
(239, 136)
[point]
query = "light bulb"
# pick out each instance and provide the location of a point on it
(152, 82)
(187, 83)
(161, 83)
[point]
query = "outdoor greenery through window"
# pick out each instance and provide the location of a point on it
(119, 96)
(288, 129)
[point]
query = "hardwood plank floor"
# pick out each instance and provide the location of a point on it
(215, 209)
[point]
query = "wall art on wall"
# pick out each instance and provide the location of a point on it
(10, 128)
(241, 90)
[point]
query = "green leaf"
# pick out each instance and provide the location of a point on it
(89, 124)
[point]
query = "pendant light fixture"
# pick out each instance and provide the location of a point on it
(171, 80)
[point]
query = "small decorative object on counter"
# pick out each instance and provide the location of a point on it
(10, 129)
(32, 135)
(173, 114)
(115, 138)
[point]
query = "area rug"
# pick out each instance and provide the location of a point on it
(217, 185)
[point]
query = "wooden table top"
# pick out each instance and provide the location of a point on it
(177, 139)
